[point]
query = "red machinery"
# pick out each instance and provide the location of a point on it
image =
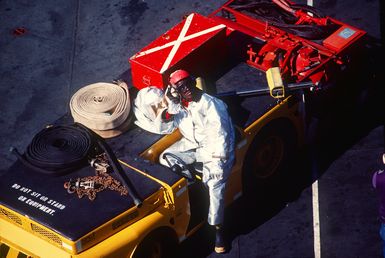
(299, 40)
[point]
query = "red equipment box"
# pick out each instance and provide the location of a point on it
(196, 44)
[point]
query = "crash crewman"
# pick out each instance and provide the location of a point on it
(208, 137)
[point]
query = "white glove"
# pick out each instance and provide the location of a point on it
(173, 101)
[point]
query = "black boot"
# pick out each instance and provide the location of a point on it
(220, 245)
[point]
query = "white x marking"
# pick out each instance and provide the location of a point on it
(176, 43)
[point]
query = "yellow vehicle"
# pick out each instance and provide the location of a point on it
(39, 218)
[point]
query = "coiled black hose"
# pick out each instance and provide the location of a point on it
(57, 150)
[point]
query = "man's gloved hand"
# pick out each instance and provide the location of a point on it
(173, 100)
(172, 95)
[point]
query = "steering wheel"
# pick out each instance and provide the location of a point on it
(180, 167)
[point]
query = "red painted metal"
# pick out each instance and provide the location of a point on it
(186, 45)
(298, 58)
(262, 46)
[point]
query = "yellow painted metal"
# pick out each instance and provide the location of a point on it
(181, 213)
(35, 229)
(175, 199)
(168, 193)
(113, 226)
(29, 243)
(285, 109)
(122, 242)
(93, 237)
(9, 252)
(125, 242)
(153, 152)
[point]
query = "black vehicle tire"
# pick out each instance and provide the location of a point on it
(269, 156)
(157, 245)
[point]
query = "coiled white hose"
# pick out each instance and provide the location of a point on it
(102, 107)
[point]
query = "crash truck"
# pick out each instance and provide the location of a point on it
(262, 58)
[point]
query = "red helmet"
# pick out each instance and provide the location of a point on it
(177, 76)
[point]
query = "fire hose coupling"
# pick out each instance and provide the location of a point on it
(277, 87)
(100, 163)
(274, 80)
(72, 185)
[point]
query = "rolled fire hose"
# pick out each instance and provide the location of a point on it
(102, 107)
(57, 150)
(61, 149)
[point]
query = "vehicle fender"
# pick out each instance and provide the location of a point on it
(124, 243)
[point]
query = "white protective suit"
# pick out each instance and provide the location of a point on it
(208, 137)
(148, 107)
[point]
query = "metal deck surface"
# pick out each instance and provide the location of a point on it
(69, 44)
